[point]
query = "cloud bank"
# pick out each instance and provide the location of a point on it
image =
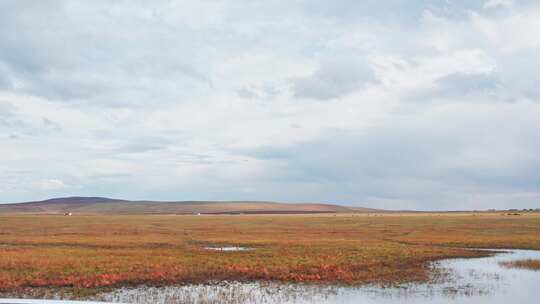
(402, 105)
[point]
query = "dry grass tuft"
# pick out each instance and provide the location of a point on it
(523, 264)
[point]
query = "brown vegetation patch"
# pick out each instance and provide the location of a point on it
(523, 264)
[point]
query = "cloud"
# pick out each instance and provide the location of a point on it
(7, 109)
(142, 144)
(481, 86)
(264, 92)
(98, 67)
(334, 79)
(498, 3)
(400, 104)
(9, 116)
(15, 122)
(443, 159)
(466, 83)
(50, 184)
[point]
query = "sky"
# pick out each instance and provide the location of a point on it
(430, 105)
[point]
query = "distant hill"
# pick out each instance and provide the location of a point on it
(102, 205)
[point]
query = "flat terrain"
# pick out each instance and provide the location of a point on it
(89, 251)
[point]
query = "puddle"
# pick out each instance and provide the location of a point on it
(228, 248)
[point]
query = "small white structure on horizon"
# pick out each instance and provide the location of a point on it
(68, 214)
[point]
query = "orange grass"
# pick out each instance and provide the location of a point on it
(89, 251)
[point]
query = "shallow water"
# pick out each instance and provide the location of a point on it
(464, 281)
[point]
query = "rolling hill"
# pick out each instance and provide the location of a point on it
(101, 205)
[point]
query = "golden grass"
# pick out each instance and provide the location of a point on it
(95, 251)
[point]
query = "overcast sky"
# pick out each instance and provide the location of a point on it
(387, 104)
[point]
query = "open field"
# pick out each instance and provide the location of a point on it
(89, 251)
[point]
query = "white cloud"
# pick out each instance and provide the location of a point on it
(50, 184)
(498, 3)
(208, 104)
(334, 79)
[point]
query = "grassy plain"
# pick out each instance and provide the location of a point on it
(90, 251)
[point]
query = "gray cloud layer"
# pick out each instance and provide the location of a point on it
(401, 104)
(333, 80)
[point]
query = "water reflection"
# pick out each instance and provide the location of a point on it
(479, 280)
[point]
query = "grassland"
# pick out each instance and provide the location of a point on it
(523, 264)
(94, 251)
